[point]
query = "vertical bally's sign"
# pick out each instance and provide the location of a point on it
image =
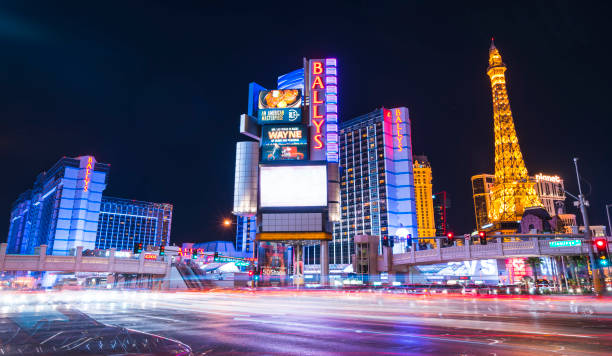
(323, 84)
(88, 174)
(398, 129)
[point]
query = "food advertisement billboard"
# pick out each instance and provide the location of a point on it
(284, 142)
(293, 186)
(279, 106)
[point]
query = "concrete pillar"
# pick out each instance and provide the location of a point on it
(111, 260)
(79, 259)
(141, 261)
(388, 258)
(42, 255)
(3, 247)
(324, 262)
(166, 282)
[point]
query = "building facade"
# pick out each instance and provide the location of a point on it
(124, 222)
(481, 192)
(63, 208)
(441, 204)
(246, 231)
(551, 193)
(423, 191)
(376, 182)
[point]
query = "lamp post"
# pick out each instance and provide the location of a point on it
(597, 285)
(608, 213)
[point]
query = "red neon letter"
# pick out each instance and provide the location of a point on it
(318, 126)
(318, 82)
(317, 67)
(315, 112)
(315, 98)
(317, 139)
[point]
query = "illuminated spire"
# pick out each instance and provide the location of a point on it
(512, 191)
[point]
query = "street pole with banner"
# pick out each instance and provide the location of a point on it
(597, 283)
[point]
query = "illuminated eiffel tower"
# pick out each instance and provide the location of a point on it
(512, 191)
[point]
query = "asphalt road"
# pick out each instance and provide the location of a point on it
(332, 323)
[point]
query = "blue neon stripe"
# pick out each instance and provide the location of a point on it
(400, 199)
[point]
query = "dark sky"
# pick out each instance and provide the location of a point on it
(156, 90)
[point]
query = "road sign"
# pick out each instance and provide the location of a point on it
(564, 243)
(467, 236)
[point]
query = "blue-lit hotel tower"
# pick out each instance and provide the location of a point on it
(65, 209)
(376, 184)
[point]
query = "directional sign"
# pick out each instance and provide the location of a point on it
(564, 243)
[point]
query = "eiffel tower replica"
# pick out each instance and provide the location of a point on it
(512, 191)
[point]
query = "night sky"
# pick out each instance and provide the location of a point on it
(156, 90)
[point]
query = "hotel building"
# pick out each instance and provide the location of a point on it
(65, 209)
(424, 197)
(377, 194)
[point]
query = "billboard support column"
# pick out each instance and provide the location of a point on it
(298, 265)
(324, 262)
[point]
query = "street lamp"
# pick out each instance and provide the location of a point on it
(227, 222)
(597, 283)
(608, 213)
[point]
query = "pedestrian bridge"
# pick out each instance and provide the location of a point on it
(79, 263)
(518, 246)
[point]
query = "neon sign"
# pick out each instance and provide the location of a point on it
(87, 174)
(516, 267)
(398, 129)
(553, 179)
(150, 256)
(324, 106)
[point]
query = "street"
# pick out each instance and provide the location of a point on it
(362, 323)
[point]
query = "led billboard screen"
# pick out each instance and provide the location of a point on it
(293, 186)
(284, 142)
(279, 106)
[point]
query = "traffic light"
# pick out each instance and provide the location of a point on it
(215, 256)
(482, 236)
(450, 236)
(137, 248)
(603, 259)
(385, 240)
(162, 250)
(251, 273)
(194, 254)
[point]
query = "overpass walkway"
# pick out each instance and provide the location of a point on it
(521, 246)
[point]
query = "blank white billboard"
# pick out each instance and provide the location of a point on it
(287, 186)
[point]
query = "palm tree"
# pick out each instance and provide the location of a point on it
(534, 262)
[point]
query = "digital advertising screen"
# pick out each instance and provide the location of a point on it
(279, 106)
(293, 186)
(284, 142)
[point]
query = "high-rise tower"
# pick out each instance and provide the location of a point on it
(512, 191)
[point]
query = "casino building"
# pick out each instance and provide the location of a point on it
(65, 209)
(549, 190)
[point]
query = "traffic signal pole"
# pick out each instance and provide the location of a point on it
(597, 283)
